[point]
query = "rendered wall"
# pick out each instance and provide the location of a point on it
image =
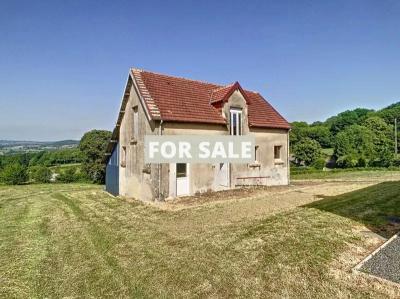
(202, 176)
(137, 180)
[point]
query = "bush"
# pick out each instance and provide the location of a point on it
(307, 151)
(362, 162)
(347, 162)
(41, 174)
(319, 163)
(67, 176)
(14, 174)
(396, 162)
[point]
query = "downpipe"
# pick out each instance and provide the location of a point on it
(159, 165)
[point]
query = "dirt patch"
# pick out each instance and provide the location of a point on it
(245, 192)
(258, 202)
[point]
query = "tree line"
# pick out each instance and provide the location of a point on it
(358, 138)
(84, 163)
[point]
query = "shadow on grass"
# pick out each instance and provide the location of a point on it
(377, 207)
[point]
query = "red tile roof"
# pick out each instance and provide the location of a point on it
(183, 100)
(220, 93)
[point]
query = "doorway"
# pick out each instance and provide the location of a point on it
(182, 179)
(223, 174)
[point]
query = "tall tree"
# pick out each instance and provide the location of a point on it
(348, 118)
(321, 134)
(355, 140)
(298, 132)
(93, 146)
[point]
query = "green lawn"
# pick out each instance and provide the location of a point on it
(327, 151)
(344, 174)
(76, 241)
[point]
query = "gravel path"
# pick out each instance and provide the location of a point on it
(386, 262)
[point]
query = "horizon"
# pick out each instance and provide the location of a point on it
(309, 123)
(64, 65)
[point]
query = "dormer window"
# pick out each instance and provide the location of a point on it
(236, 122)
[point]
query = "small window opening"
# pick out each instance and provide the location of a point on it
(256, 153)
(181, 170)
(277, 152)
(135, 122)
(123, 157)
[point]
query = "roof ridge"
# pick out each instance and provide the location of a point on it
(177, 77)
(222, 87)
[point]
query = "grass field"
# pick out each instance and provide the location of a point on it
(302, 241)
(346, 174)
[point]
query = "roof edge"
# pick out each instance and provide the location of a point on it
(153, 112)
(235, 86)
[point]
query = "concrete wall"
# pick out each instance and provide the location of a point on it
(266, 170)
(136, 179)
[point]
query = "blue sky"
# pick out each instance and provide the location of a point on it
(63, 64)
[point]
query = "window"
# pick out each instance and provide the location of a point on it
(277, 152)
(123, 157)
(135, 122)
(256, 153)
(236, 122)
(181, 170)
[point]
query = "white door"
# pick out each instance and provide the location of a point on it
(182, 179)
(223, 174)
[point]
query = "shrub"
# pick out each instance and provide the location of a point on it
(41, 174)
(307, 151)
(347, 162)
(80, 176)
(67, 176)
(14, 174)
(362, 162)
(319, 163)
(396, 162)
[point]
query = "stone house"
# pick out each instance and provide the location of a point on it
(165, 105)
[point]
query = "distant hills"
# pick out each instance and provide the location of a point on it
(21, 146)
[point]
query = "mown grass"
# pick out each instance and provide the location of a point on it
(374, 207)
(343, 174)
(76, 241)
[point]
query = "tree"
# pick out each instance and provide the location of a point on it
(321, 134)
(347, 118)
(307, 151)
(93, 146)
(389, 113)
(298, 131)
(41, 174)
(316, 131)
(355, 140)
(379, 127)
(14, 174)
